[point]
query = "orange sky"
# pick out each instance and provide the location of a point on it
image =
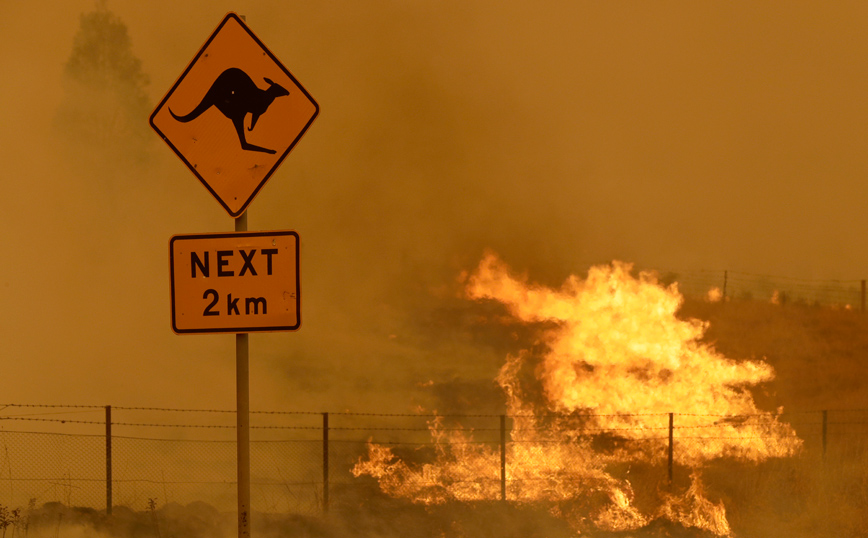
(683, 135)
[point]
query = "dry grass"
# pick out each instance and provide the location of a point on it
(819, 355)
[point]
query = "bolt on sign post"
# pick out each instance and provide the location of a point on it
(232, 117)
(234, 114)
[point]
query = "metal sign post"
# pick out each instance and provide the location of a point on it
(242, 397)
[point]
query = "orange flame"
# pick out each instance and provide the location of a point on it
(617, 361)
(714, 295)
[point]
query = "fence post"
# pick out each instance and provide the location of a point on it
(671, 428)
(825, 430)
(502, 457)
(325, 462)
(863, 296)
(108, 460)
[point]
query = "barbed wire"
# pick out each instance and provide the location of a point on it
(95, 435)
(62, 480)
(760, 414)
(31, 416)
(379, 428)
(566, 440)
(795, 279)
(55, 420)
(3, 406)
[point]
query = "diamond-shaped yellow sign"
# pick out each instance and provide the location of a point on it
(234, 114)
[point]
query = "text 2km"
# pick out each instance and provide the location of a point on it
(224, 259)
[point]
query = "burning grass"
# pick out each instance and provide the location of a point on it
(613, 358)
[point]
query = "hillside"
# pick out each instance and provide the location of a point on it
(820, 354)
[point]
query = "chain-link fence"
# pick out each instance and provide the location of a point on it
(303, 462)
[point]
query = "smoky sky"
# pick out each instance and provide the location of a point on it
(674, 135)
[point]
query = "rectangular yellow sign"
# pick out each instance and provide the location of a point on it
(236, 282)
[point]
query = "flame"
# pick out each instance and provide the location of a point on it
(616, 361)
(714, 295)
(693, 510)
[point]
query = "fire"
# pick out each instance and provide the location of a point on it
(616, 361)
(776, 298)
(714, 295)
(693, 510)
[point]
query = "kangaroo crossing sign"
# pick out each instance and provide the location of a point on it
(235, 282)
(234, 114)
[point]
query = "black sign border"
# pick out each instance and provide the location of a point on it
(236, 330)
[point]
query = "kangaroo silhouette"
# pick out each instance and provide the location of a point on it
(235, 95)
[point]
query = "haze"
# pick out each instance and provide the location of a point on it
(675, 135)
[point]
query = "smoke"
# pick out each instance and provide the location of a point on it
(679, 136)
(369, 515)
(714, 136)
(379, 518)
